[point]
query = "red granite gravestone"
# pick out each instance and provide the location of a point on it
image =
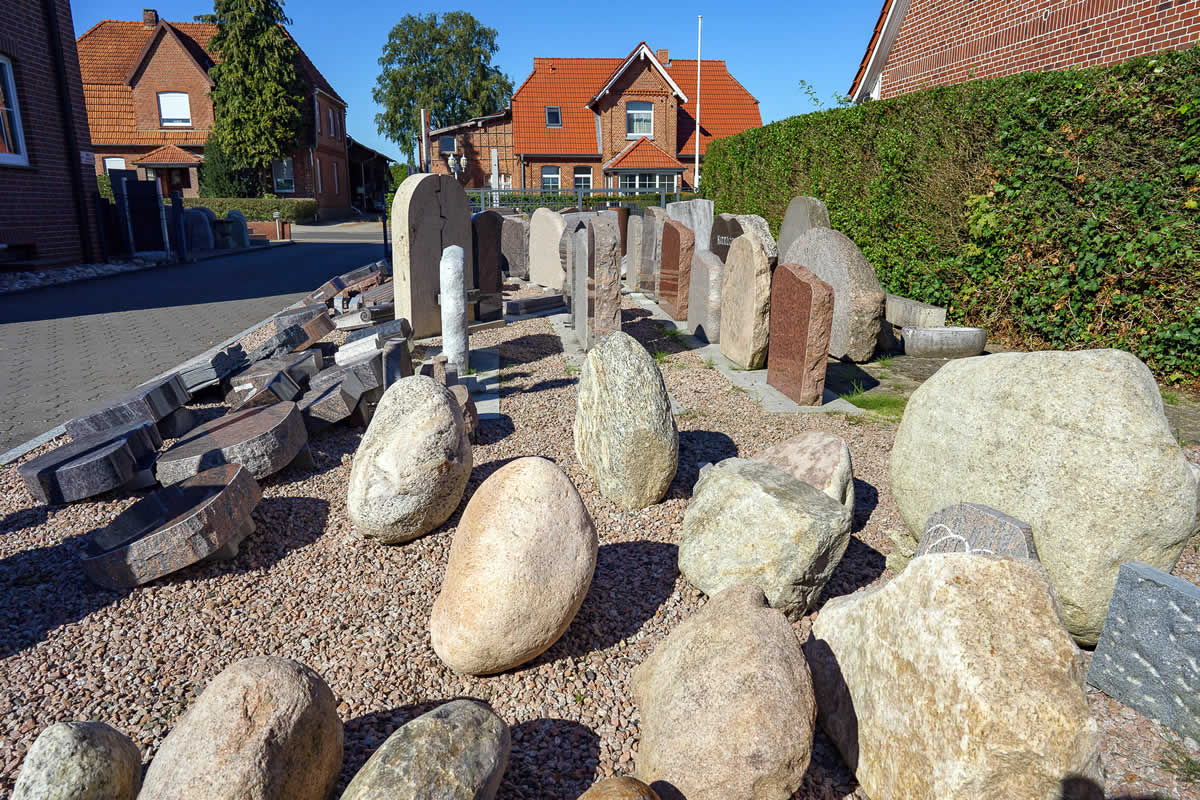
(678, 245)
(801, 322)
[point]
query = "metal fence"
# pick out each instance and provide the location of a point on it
(529, 199)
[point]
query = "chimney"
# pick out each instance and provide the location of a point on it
(664, 56)
(149, 17)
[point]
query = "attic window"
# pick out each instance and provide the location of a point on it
(639, 119)
(553, 117)
(174, 109)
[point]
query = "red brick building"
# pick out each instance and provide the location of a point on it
(47, 183)
(147, 89)
(921, 43)
(601, 123)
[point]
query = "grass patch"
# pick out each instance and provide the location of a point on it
(571, 369)
(691, 413)
(884, 404)
(1169, 397)
(708, 363)
(1179, 762)
(660, 357)
(883, 361)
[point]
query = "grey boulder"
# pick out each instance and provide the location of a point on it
(80, 761)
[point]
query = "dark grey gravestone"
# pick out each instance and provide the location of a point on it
(204, 517)
(389, 328)
(802, 215)
(1148, 656)
(207, 370)
(974, 528)
(177, 423)
(325, 403)
(263, 439)
(149, 402)
(264, 390)
(283, 342)
(93, 464)
(395, 360)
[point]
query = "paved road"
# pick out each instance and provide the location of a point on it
(65, 349)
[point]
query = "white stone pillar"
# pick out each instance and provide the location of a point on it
(454, 307)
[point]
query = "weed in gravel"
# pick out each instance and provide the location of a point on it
(660, 357)
(1169, 397)
(571, 369)
(886, 405)
(691, 413)
(1179, 762)
(883, 361)
(708, 363)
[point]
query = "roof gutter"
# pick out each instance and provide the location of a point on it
(883, 47)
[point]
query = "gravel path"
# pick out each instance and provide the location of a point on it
(306, 587)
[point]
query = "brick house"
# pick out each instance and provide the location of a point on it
(47, 186)
(921, 43)
(147, 90)
(600, 122)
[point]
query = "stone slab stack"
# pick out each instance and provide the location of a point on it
(149, 402)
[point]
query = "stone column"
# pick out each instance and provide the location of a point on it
(454, 307)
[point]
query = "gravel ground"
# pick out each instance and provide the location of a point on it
(306, 587)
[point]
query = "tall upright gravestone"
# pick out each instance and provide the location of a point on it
(429, 214)
(514, 245)
(704, 296)
(727, 227)
(633, 254)
(801, 319)
(545, 230)
(652, 227)
(746, 302)
(675, 272)
(486, 231)
(580, 279)
(566, 257)
(604, 271)
(802, 215)
(697, 215)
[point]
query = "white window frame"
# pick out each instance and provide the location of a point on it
(320, 188)
(442, 145)
(291, 169)
(556, 174)
(576, 174)
(558, 112)
(506, 181)
(109, 167)
(8, 75)
(630, 111)
(648, 180)
(174, 122)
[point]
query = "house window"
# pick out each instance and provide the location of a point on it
(332, 127)
(337, 186)
(639, 119)
(550, 181)
(174, 110)
(553, 117)
(583, 177)
(446, 144)
(113, 162)
(319, 187)
(12, 140)
(648, 180)
(506, 181)
(285, 178)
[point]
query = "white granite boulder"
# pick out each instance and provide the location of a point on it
(753, 523)
(955, 679)
(412, 465)
(726, 704)
(820, 459)
(520, 566)
(1075, 444)
(265, 727)
(80, 761)
(625, 434)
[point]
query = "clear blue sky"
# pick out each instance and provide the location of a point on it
(768, 45)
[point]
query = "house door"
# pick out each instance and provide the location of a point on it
(177, 179)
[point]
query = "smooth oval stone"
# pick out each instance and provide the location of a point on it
(619, 789)
(174, 527)
(263, 439)
(80, 761)
(950, 342)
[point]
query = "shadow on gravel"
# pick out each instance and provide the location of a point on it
(495, 429)
(25, 518)
(696, 448)
(550, 758)
(507, 389)
(859, 567)
(530, 348)
(866, 497)
(364, 735)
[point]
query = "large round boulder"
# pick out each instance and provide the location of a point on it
(956, 679)
(625, 434)
(80, 761)
(457, 751)
(727, 704)
(520, 565)
(265, 728)
(619, 789)
(1075, 444)
(753, 523)
(411, 468)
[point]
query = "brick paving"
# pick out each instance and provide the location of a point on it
(67, 348)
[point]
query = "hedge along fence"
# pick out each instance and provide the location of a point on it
(1055, 208)
(297, 210)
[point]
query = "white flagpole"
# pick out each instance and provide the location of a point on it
(696, 168)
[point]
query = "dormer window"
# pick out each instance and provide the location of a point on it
(553, 117)
(639, 119)
(174, 111)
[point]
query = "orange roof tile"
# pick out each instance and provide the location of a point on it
(862, 67)
(168, 156)
(643, 154)
(726, 108)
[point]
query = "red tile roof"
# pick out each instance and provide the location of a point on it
(643, 154)
(726, 108)
(862, 67)
(168, 156)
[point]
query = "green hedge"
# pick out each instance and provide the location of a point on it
(1055, 208)
(299, 209)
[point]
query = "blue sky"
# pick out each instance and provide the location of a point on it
(769, 45)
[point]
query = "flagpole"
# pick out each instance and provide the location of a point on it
(696, 168)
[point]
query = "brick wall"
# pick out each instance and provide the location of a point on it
(477, 144)
(37, 201)
(640, 83)
(947, 41)
(170, 68)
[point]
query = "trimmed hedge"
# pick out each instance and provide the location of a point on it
(296, 210)
(1054, 208)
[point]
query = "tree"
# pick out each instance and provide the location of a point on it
(442, 65)
(257, 96)
(220, 176)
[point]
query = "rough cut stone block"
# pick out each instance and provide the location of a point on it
(514, 245)
(326, 402)
(604, 277)
(264, 440)
(275, 387)
(1148, 656)
(974, 528)
(675, 270)
(944, 342)
(580, 293)
(652, 228)
(92, 464)
(177, 423)
(387, 329)
(204, 516)
(532, 305)
(281, 343)
(746, 303)
(633, 254)
(801, 321)
(728, 227)
(150, 402)
(208, 369)
(395, 360)
(350, 352)
(696, 216)
(284, 376)
(429, 214)
(545, 231)
(905, 313)
(704, 296)
(567, 257)
(802, 215)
